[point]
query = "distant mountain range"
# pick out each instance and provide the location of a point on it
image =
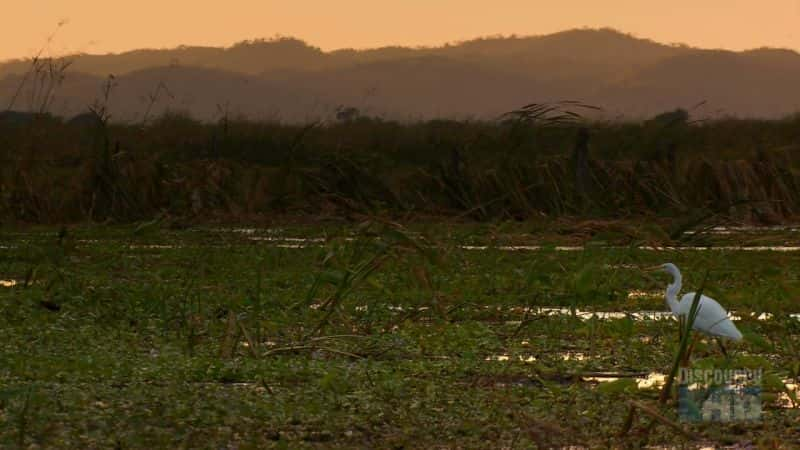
(287, 79)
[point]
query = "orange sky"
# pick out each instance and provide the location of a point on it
(95, 26)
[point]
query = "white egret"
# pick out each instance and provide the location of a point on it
(711, 319)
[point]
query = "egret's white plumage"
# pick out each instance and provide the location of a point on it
(712, 319)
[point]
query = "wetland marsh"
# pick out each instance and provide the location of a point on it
(375, 335)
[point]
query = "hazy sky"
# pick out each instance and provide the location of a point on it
(100, 26)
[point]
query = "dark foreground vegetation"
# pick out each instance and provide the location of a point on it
(523, 167)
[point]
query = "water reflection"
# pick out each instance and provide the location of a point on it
(508, 358)
(652, 380)
(545, 311)
(644, 294)
(784, 400)
(725, 230)
(602, 315)
(289, 239)
(756, 248)
(154, 246)
(276, 238)
(291, 242)
(565, 356)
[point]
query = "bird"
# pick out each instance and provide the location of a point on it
(712, 319)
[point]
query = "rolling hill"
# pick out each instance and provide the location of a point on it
(287, 79)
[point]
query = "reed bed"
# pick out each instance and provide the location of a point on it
(54, 172)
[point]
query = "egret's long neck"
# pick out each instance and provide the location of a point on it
(672, 291)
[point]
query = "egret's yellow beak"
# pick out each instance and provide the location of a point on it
(653, 269)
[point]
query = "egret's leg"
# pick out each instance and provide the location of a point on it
(722, 347)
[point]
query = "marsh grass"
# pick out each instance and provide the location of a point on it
(519, 169)
(210, 340)
(686, 324)
(345, 267)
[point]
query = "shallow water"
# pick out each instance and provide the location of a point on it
(153, 246)
(725, 230)
(274, 237)
(581, 314)
(566, 356)
(293, 242)
(653, 380)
